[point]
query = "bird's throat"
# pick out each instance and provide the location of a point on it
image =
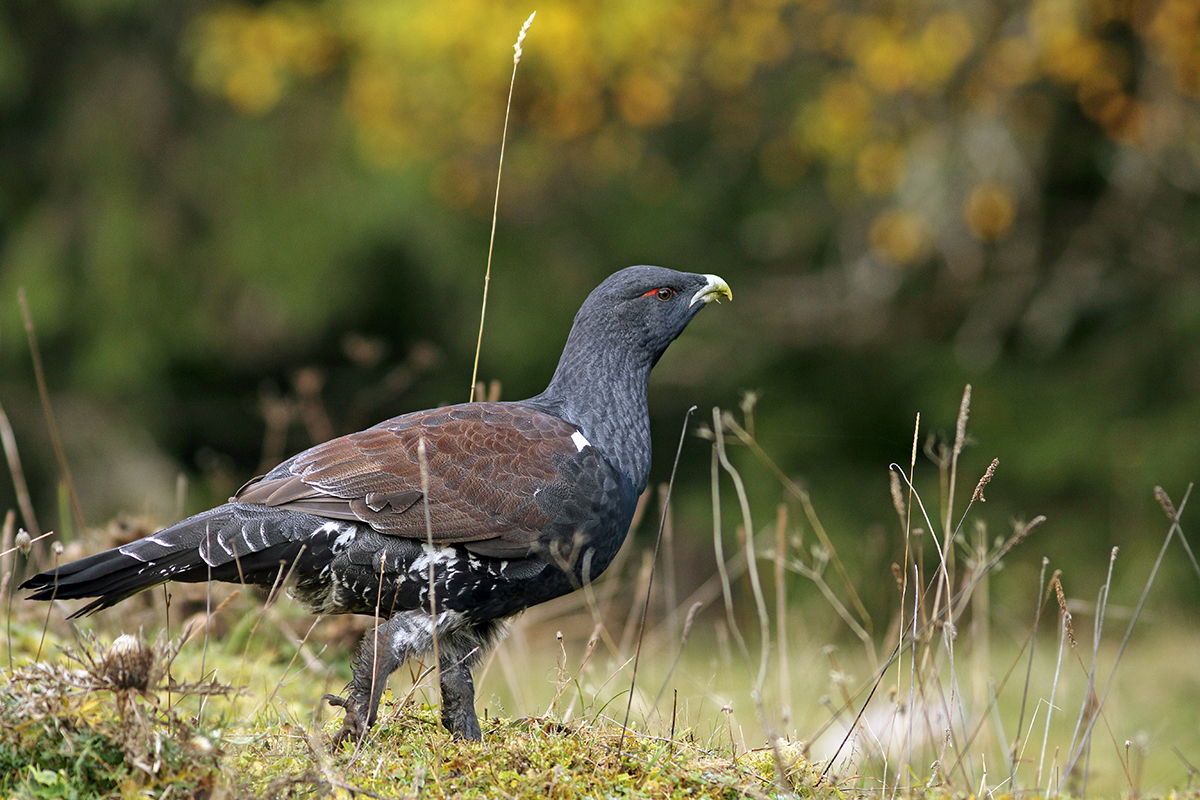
(604, 395)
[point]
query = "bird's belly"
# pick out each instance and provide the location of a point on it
(386, 575)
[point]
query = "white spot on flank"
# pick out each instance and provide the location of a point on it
(579, 440)
(433, 555)
(345, 535)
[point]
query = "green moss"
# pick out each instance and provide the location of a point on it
(527, 758)
(87, 747)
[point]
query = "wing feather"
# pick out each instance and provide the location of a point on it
(485, 465)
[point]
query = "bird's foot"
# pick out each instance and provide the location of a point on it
(354, 725)
(458, 704)
(462, 726)
(459, 717)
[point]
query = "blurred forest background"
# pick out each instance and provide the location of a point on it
(242, 227)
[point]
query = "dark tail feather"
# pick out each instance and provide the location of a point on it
(233, 543)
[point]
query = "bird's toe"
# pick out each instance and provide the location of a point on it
(354, 727)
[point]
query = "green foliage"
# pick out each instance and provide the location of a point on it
(527, 758)
(81, 750)
(205, 201)
(981, 675)
(59, 742)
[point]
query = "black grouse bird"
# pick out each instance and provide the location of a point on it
(505, 505)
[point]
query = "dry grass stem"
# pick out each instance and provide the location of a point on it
(960, 438)
(683, 637)
(760, 602)
(1073, 754)
(11, 454)
(423, 464)
(781, 610)
(718, 538)
(487, 275)
(1037, 619)
(810, 513)
(39, 374)
(670, 593)
(653, 558)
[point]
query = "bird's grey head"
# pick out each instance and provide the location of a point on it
(645, 308)
(620, 332)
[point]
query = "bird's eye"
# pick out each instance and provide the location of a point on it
(662, 293)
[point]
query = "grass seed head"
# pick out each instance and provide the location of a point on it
(985, 480)
(1167, 506)
(517, 53)
(897, 493)
(960, 428)
(129, 662)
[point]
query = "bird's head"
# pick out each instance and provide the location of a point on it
(622, 329)
(646, 307)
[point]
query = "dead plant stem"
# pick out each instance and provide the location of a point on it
(39, 375)
(487, 275)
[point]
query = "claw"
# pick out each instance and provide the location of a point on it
(353, 726)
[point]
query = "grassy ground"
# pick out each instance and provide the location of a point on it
(66, 731)
(68, 728)
(741, 691)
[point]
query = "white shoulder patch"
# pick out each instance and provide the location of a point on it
(580, 440)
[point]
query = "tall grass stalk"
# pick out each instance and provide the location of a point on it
(1172, 531)
(1037, 619)
(39, 375)
(1064, 635)
(802, 496)
(13, 457)
(718, 538)
(760, 602)
(637, 655)
(781, 613)
(487, 275)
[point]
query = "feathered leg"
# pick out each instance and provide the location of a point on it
(381, 653)
(461, 646)
(458, 695)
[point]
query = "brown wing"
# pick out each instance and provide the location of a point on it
(485, 463)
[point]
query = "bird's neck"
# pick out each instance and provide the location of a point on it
(602, 392)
